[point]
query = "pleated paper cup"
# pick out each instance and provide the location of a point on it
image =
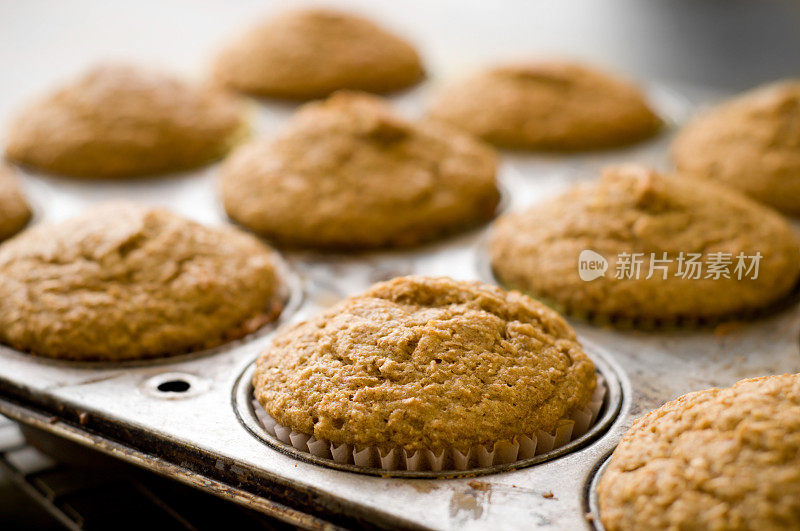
(521, 447)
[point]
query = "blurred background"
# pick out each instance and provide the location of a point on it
(730, 44)
(714, 45)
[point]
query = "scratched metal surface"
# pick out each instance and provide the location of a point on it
(653, 367)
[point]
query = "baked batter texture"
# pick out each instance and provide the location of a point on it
(123, 282)
(347, 173)
(715, 459)
(425, 363)
(310, 53)
(635, 210)
(549, 105)
(750, 143)
(15, 212)
(119, 120)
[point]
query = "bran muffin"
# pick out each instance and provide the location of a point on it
(347, 173)
(633, 209)
(557, 106)
(14, 209)
(425, 363)
(311, 53)
(714, 459)
(751, 143)
(119, 120)
(122, 282)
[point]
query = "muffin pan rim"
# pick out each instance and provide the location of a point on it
(592, 500)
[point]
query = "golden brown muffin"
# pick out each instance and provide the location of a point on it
(425, 363)
(123, 121)
(547, 106)
(311, 53)
(751, 143)
(630, 210)
(123, 282)
(348, 173)
(720, 459)
(14, 209)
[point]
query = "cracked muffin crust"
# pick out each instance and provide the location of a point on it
(119, 120)
(123, 282)
(713, 459)
(633, 209)
(347, 173)
(551, 105)
(425, 363)
(311, 53)
(14, 209)
(751, 143)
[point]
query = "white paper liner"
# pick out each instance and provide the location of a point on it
(502, 452)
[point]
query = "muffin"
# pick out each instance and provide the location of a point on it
(119, 121)
(347, 173)
(714, 459)
(311, 53)
(556, 106)
(420, 363)
(123, 282)
(750, 143)
(623, 247)
(14, 209)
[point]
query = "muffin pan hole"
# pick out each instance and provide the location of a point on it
(175, 385)
(480, 461)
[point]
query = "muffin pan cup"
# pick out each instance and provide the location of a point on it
(575, 430)
(518, 451)
(190, 416)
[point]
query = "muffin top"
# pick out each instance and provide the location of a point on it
(311, 53)
(119, 120)
(751, 143)
(123, 282)
(714, 459)
(425, 363)
(348, 173)
(14, 209)
(548, 106)
(633, 209)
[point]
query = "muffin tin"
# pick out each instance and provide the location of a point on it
(189, 417)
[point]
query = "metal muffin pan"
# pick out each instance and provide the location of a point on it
(184, 416)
